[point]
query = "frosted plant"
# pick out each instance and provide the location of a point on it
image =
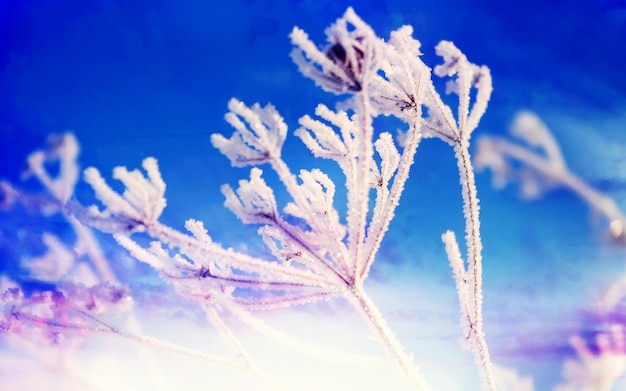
(537, 164)
(63, 150)
(400, 87)
(441, 123)
(43, 332)
(48, 327)
(596, 371)
(318, 254)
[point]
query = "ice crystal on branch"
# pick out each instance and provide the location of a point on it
(198, 257)
(384, 78)
(400, 88)
(322, 140)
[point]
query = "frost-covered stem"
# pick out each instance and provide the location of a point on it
(366, 307)
(322, 261)
(472, 226)
(444, 114)
(188, 244)
(358, 198)
(225, 332)
(406, 161)
(289, 180)
(474, 259)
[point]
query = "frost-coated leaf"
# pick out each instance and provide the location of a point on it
(396, 89)
(321, 139)
(253, 202)
(390, 158)
(318, 191)
(143, 198)
(259, 134)
(197, 229)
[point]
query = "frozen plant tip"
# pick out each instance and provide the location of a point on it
(141, 204)
(260, 142)
(349, 59)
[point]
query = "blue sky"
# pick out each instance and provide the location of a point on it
(150, 78)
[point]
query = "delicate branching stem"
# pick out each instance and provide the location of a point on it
(474, 258)
(375, 236)
(366, 307)
(319, 257)
(188, 244)
(472, 226)
(339, 274)
(445, 115)
(358, 201)
(334, 240)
